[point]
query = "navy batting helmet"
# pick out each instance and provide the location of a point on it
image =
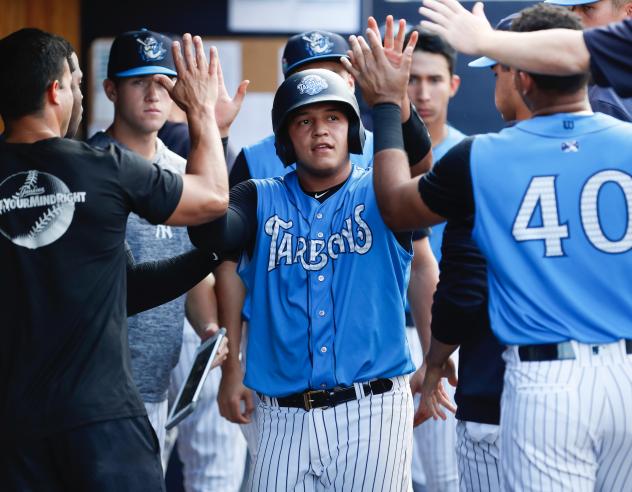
(312, 46)
(310, 87)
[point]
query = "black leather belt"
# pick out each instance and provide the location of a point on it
(333, 397)
(556, 351)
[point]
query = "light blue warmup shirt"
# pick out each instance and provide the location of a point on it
(553, 199)
(327, 283)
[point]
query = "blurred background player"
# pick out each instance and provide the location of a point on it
(431, 86)
(141, 106)
(211, 450)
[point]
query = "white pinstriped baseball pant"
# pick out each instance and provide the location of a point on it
(361, 445)
(478, 455)
(566, 425)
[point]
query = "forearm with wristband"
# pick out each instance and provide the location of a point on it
(389, 133)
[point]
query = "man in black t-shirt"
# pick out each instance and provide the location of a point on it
(72, 414)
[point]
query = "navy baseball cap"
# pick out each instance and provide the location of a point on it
(504, 24)
(311, 46)
(570, 3)
(143, 52)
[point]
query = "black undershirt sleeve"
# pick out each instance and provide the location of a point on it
(240, 171)
(154, 283)
(417, 141)
(447, 188)
(235, 231)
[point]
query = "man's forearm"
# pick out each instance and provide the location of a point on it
(201, 308)
(230, 293)
(206, 162)
(554, 51)
(424, 276)
(439, 353)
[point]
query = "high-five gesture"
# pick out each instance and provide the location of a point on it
(465, 31)
(197, 86)
(227, 108)
(382, 78)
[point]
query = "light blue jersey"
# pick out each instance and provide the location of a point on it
(264, 163)
(453, 137)
(327, 283)
(553, 198)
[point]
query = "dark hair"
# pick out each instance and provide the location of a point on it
(545, 16)
(431, 43)
(32, 60)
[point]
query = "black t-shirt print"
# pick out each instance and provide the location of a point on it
(64, 359)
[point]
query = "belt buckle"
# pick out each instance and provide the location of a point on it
(308, 400)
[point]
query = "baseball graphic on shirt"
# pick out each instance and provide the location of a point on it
(36, 208)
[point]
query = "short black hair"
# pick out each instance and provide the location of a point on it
(431, 43)
(545, 16)
(32, 59)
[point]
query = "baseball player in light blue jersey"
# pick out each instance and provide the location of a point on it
(307, 50)
(327, 350)
(551, 200)
(460, 320)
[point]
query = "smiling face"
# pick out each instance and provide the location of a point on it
(431, 85)
(140, 103)
(319, 134)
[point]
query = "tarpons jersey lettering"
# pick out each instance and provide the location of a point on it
(313, 254)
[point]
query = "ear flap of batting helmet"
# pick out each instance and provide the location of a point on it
(311, 87)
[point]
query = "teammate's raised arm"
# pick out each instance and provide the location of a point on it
(205, 186)
(383, 85)
(554, 51)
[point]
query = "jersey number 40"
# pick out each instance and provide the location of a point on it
(541, 192)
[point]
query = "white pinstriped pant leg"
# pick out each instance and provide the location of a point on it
(157, 413)
(212, 449)
(434, 441)
(478, 454)
(362, 445)
(567, 425)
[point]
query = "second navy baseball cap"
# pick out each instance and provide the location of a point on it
(311, 46)
(143, 52)
(504, 24)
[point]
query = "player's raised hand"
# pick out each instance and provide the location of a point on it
(227, 108)
(465, 31)
(433, 395)
(231, 394)
(380, 80)
(196, 88)
(393, 45)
